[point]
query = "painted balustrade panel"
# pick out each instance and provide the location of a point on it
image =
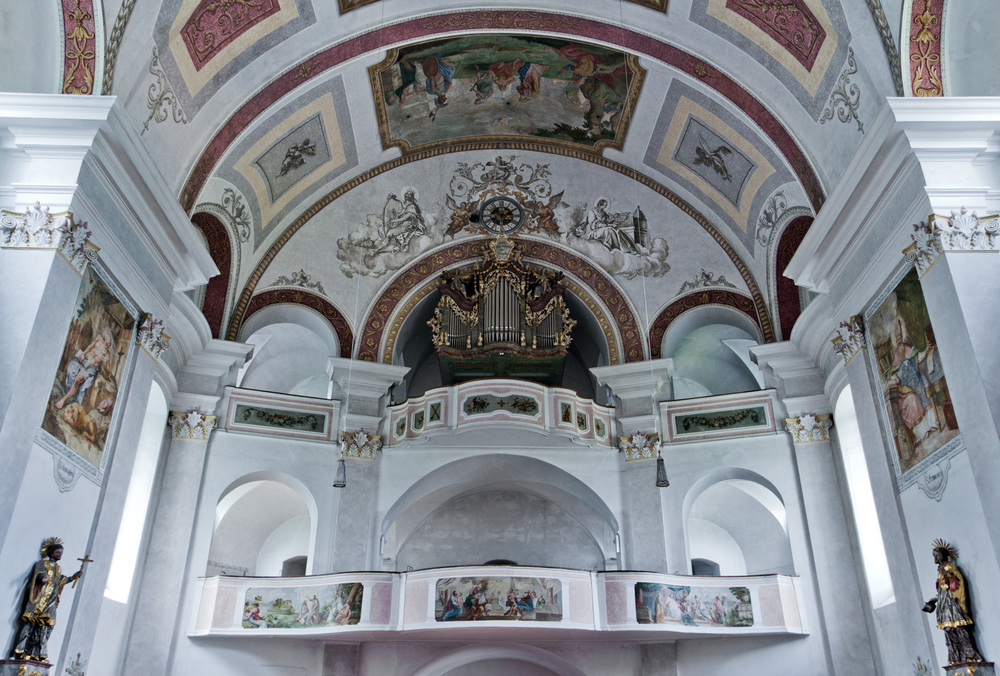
(510, 600)
(759, 604)
(323, 604)
(500, 401)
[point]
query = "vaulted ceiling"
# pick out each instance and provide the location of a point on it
(332, 154)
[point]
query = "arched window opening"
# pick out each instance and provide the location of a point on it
(859, 484)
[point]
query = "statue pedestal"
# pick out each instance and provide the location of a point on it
(960, 669)
(24, 668)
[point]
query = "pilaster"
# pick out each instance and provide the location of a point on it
(644, 545)
(800, 383)
(637, 388)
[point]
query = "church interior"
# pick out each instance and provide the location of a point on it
(370, 338)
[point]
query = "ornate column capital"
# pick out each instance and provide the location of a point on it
(191, 424)
(34, 228)
(962, 231)
(850, 338)
(640, 446)
(151, 336)
(359, 444)
(809, 428)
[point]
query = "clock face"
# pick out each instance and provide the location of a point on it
(501, 215)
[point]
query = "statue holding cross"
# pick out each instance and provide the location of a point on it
(38, 614)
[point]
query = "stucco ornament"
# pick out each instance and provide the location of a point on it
(850, 338)
(640, 446)
(75, 245)
(359, 444)
(151, 336)
(809, 428)
(192, 425)
(962, 231)
(36, 227)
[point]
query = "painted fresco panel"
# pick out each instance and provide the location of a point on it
(332, 605)
(494, 86)
(279, 418)
(693, 606)
(462, 599)
(715, 421)
(917, 405)
(82, 407)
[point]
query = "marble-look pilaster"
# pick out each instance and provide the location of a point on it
(799, 383)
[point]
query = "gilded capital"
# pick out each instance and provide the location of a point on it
(640, 446)
(359, 444)
(809, 428)
(850, 338)
(191, 425)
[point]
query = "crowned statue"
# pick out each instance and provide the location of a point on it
(41, 598)
(951, 603)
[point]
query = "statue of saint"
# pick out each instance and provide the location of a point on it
(38, 615)
(952, 605)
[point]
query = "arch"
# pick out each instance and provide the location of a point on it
(788, 304)
(300, 297)
(267, 500)
(445, 666)
(737, 517)
(501, 472)
(549, 22)
(388, 311)
(705, 297)
(220, 248)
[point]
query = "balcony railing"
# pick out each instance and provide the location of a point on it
(508, 601)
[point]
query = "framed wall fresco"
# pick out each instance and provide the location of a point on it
(917, 412)
(83, 409)
(467, 599)
(282, 415)
(334, 605)
(494, 87)
(693, 606)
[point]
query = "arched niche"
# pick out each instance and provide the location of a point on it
(497, 507)
(736, 518)
(292, 347)
(262, 520)
(709, 345)
(500, 660)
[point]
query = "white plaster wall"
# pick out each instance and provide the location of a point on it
(971, 66)
(500, 525)
(287, 540)
(710, 541)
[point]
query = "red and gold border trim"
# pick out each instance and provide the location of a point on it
(310, 300)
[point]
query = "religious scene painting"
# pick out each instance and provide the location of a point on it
(461, 599)
(92, 371)
(303, 607)
(918, 407)
(494, 86)
(693, 606)
(614, 234)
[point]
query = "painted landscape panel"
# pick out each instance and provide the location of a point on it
(91, 370)
(921, 418)
(461, 599)
(693, 606)
(492, 86)
(302, 607)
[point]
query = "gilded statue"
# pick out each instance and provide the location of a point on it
(38, 614)
(952, 606)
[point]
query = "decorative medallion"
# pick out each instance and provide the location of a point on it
(213, 25)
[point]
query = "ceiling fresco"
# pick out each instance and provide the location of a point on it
(664, 150)
(487, 86)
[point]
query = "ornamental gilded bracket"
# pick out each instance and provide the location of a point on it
(640, 446)
(359, 444)
(850, 338)
(809, 428)
(191, 424)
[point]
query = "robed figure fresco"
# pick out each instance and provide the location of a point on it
(952, 606)
(41, 598)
